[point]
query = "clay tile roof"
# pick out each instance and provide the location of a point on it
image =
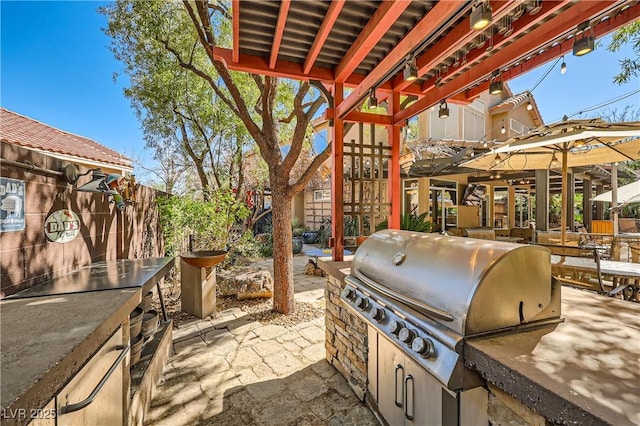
(19, 130)
(511, 102)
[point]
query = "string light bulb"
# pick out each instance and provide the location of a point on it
(554, 162)
(529, 106)
(503, 130)
(496, 161)
(563, 67)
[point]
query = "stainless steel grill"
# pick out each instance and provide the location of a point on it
(428, 293)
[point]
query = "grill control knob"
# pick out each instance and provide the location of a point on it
(423, 346)
(406, 335)
(350, 294)
(396, 326)
(362, 303)
(378, 315)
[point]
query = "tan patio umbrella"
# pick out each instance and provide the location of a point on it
(563, 145)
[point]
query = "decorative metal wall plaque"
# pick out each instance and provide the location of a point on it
(62, 226)
(12, 193)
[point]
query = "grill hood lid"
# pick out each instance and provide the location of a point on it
(470, 286)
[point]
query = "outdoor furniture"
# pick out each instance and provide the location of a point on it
(627, 224)
(481, 233)
(602, 227)
(600, 242)
(576, 266)
(525, 234)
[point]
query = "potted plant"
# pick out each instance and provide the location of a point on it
(297, 229)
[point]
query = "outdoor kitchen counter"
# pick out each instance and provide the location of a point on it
(585, 370)
(45, 340)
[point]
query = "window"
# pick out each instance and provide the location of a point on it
(322, 195)
(410, 197)
(444, 128)
(501, 208)
(517, 127)
(443, 208)
(473, 124)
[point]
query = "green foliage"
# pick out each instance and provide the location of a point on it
(629, 67)
(209, 221)
(410, 222)
(351, 228)
(296, 227)
(243, 251)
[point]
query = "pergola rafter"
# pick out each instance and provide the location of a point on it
(365, 45)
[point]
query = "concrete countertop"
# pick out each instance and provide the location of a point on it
(45, 340)
(336, 269)
(585, 370)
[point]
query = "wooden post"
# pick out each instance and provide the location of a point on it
(393, 168)
(337, 189)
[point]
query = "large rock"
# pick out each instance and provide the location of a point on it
(246, 283)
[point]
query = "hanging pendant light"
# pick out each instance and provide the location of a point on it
(554, 162)
(443, 112)
(563, 67)
(480, 16)
(410, 72)
(496, 161)
(373, 101)
(584, 44)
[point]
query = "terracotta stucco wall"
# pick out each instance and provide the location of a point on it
(29, 258)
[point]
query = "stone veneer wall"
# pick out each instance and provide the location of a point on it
(346, 341)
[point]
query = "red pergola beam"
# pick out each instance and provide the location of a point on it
(451, 42)
(323, 32)
(524, 46)
(601, 29)
(279, 30)
(381, 21)
(523, 24)
(437, 16)
(235, 15)
(361, 117)
(284, 69)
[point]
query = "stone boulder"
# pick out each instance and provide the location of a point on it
(248, 283)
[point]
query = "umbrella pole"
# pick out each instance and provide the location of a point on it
(563, 212)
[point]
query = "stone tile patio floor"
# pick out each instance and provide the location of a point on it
(232, 370)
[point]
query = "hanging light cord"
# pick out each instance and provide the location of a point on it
(605, 103)
(544, 75)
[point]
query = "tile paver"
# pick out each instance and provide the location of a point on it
(231, 370)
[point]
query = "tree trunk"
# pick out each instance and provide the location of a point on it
(283, 262)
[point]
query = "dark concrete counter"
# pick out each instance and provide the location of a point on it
(585, 370)
(45, 340)
(339, 270)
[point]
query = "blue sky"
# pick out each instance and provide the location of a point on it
(56, 68)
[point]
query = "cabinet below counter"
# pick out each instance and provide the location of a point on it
(45, 341)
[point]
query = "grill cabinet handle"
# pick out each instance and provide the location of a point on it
(70, 408)
(400, 368)
(406, 397)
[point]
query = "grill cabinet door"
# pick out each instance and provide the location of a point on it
(391, 373)
(423, 397)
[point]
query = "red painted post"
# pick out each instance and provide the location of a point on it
(394, 189)
(337, 189)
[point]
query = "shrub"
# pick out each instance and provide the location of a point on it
(209, 221)
(410, 222)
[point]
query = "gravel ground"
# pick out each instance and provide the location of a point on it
(258, 309)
